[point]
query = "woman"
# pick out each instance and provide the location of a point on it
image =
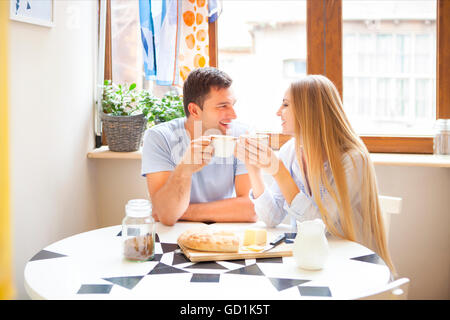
(334, 179)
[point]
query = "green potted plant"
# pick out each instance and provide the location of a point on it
(169, 107)
(123, 119)
(127, 112)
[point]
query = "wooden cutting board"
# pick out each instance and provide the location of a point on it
(282, 250)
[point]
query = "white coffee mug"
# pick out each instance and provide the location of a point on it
(262, 139)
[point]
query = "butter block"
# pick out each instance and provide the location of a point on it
(255, 237)
(252, 248)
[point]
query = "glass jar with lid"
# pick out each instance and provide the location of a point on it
(441, 141)
(138, 231)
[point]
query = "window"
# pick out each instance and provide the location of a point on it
(126, 48)
(386, 67)
(127, 59)
(381, 53)
(325, 32)
(262, 46)
(294, 68)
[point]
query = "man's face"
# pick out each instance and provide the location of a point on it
(218, 110)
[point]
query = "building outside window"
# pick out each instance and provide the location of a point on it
(395, 44)
(262, 45)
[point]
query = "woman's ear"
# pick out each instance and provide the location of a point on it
(194, 110)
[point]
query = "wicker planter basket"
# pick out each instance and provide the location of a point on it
(123, 133)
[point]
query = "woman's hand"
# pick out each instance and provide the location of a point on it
(257, 154)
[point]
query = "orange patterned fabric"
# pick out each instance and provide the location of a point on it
(194, 42)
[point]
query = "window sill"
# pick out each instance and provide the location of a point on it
(383, 159)
(104, 153)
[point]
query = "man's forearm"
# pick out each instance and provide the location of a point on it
(239, 209)
(172, 200)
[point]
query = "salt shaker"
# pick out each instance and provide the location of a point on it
(138, 231)
(311, 246)
(441, 142)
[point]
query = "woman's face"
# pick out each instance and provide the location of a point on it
(287, 115)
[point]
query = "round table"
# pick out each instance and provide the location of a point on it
(90, 265)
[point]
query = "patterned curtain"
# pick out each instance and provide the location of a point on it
(194, 46)
(175, 37)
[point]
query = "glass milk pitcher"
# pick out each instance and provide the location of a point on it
(311, 246)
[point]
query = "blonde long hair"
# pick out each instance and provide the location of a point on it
(323, 131)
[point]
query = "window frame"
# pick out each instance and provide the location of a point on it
(324, 56)
(108, 53)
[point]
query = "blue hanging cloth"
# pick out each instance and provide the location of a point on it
(160, 31)
(213, 10)
(148, 38)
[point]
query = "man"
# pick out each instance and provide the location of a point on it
(184, 180)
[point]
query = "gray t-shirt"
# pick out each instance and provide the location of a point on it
(164, 147)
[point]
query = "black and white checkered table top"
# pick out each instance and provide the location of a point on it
(90, 265)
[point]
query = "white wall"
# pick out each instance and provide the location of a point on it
(419, 236)
(117, 181)
(51, 121)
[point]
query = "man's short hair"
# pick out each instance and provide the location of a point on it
(199, 83)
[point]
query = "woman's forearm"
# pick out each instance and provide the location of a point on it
(256, 181)
(286, 183)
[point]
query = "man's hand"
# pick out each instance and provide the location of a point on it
(197, 155)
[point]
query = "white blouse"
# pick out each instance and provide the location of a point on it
(272, 208)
